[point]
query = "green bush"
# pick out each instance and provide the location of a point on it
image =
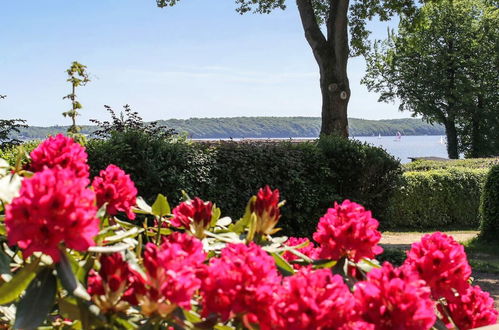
(155, 164)
(426, 165)
(309, 175)
(11, 154)
(489, 207)
(438, 199)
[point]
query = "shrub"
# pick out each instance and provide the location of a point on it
(438, 199)
(12, 153)
(155, 164)
(489, 207)
(310, 175)
(426, 165)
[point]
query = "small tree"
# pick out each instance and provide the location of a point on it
(129, 121)
(7, 127)
(77, 76)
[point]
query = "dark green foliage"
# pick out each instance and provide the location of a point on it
(395, 256)
(310, 176)
(489, 208)
(264, 127)
(438, 200)
(155, 165)
(298, 170)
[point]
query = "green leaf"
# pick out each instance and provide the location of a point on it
(215, 215)
(102, 211)
(224, 222)
(122, 235)
(37, 302)
(191, 316)
(68, 278)
(109, 249)
(161, 207)
(284, 267)
(4, 263)
(142, 206)
(242, 223)
(68, 307)
(11, 290)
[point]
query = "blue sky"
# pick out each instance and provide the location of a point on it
(198, 59)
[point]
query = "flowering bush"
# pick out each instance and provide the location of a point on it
(191, 268)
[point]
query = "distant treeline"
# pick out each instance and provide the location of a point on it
(265, 127)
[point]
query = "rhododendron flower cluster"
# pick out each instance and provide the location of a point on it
(114, 186)
(395, 298)
(442, 263)
(60, 151)
(112, 287)
(308, 250)
(348, 230)
(315, 300)
(54, 207)
(193, 215)
(472, 309)
(173, 274)
(266, 208)
(243, 280)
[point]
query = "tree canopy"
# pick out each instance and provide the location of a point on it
(444, 66)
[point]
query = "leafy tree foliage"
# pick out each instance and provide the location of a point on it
(331, 48)
(8, 128)
(443, 66)
(129, 121)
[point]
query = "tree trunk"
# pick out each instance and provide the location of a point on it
(451, 132)
(331, 54)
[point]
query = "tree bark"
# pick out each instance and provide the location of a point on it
(451, 132)
(331, 54)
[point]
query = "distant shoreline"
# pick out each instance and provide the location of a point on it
(265, 128)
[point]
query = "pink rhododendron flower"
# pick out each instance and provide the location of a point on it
(54, 207)
(473, 309)
(395, 298)
(114, 186)
(112, 288)
(441, 262)
(315, 300)
(173, 272)
(308, 250)
(60, 151)
(243, 281)
(266, 208)
(348, 230)
(194, 215)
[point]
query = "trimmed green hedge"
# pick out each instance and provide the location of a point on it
(310, 175)
(489, 208)
(438, 199)
(426, 165)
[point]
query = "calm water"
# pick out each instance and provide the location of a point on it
(409, 146)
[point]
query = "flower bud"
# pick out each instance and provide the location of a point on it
(194, 215)
(266, 209)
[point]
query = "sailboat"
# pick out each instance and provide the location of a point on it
(379, 136)
(398, 138)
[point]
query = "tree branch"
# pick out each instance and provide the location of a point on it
(313, 33)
